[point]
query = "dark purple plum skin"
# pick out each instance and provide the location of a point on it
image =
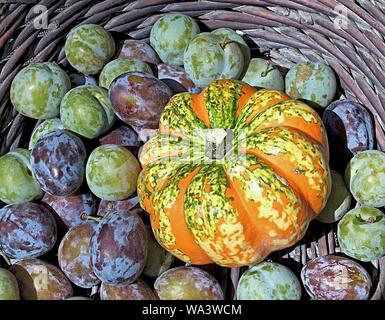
(138, 99)
(106, 206)
(28, 230)
(123, 136)
(351, 129)
(71, 209)
(119, 248)
(58, 162)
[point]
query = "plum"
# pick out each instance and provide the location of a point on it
(43, 128)
(365, 177)
(136, 49)
(28, 230)
(117, 67)
(17, 184)
(106, 206)
(335, 278)
(78, 298)
(170, 36)
(87, 111)
(88, 48)
(158, 259)
(39, 280)
(138, 290)
(230, 35)
(74, 255)
(361, 234)
(58, 161)
(134, 103)
(9, 289)
(261, 73)
(112, 172)
(351, 128)
(170, 74)
(122, 136)
(311, 81)
(71, 209)
(268, 281)
(36, 91)
(187, 283)
(339, 201)
(119, 248)
(212, 56)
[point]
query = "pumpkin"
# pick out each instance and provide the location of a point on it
(256, 196)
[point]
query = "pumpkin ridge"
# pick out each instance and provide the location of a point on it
(213, 221)
(221, 100)
(254, 167)
(305, 170)
(297, 232)
(257, 103)
(168, 205)
(178, 117)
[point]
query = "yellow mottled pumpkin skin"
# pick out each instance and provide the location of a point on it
(259, 198)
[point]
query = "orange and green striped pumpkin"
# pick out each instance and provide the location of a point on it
(258, 198)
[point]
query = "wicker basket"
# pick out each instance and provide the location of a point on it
(348, 35)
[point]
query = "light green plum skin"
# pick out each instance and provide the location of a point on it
(112, 172)
(235, 37)
(88, 48)
(45, 127)
(36, 91)
(269, 281)
(117, 67)
(365, 177)
(339, 201)
(9, 289)
(311, 81)
(87, 111)
(158, 259)
(263, 74)
(17, 184)
(78, 298)
(361, 234)
(170, 36)
(210, 57)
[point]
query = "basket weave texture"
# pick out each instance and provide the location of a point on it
(348, 35)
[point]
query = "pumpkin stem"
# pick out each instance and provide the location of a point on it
(218, 142)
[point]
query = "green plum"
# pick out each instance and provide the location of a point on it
(361, 234)
(311, 81)
(170, 35)
(78, 298)
(88, 48)
(231, 35)
(17, 184)
(112, 172)
(261, 73)
(9, 289)
(211, 56)
(37, 90)
(365, 177)
(43, 128)
(339, 201)
(268, 281)
(117, 67)
(87, 110)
